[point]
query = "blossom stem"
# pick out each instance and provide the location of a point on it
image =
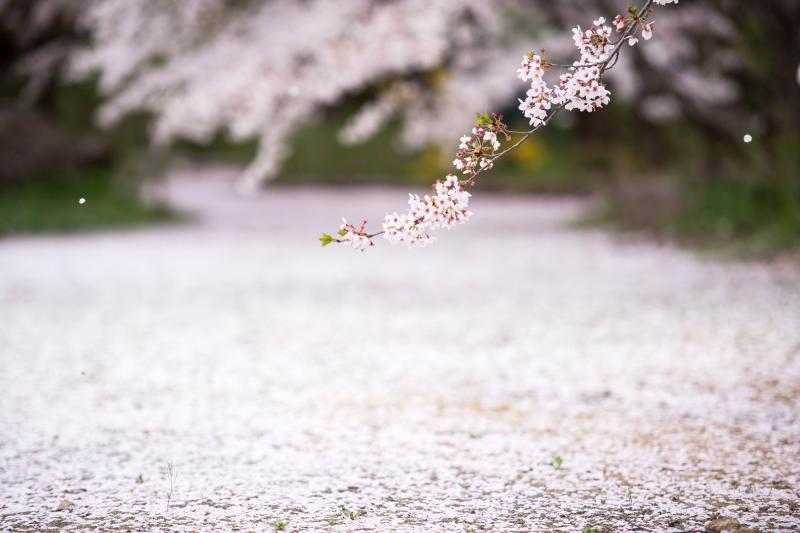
(631, 27)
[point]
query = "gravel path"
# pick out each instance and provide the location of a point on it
(516, 376)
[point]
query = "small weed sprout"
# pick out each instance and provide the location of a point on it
(352, 515)
(557, 462)
(172, 475)
(140, 479)
(280, 524)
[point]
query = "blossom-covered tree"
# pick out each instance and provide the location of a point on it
(260, 69)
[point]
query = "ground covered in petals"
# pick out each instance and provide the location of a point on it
(518, 375)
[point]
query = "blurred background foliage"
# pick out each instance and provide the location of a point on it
(689, 178)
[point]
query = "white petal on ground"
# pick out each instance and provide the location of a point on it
(432, 389)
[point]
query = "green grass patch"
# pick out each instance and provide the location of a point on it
(758, 218)
(51, 204)
(747, 219)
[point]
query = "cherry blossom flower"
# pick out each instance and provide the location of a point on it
(647, 31)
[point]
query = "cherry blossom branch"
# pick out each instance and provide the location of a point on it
(605, 65)
(580, 88)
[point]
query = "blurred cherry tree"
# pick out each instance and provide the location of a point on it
(261, 69)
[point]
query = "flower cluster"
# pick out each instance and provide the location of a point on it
(476, 151)
(538, 99)
(444, 209)
(580, 88)
(594, 44)
(405, 229)
(355, 236)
